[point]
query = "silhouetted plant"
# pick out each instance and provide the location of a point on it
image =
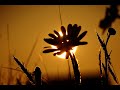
(110, 16)
(37, 73)
(24, 70)
(65, 43)
(108, 65)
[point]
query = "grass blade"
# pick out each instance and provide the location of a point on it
(100, 63)
(11, 68)
(9, 56)
(113, 74)
(104, 67)
(24, 70)
(101, 42)
(35, 43)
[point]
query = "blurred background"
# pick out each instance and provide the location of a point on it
(23, 28)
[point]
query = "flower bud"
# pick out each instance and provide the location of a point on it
(111, 31)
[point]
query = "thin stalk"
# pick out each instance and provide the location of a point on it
(31, 52)
(60, 15)
(106, 69)
(41, 59)
(58, 71)
(69, 73)
(11, 68)
(9, 57)
(106, 59)
(107, 39)
(100, 65)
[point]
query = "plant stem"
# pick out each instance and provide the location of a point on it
(9, 56)
(106, 69)
(69, 70)
(100, 66)
(107, 39)
(106, 59)
(32, 50)
(76, 70)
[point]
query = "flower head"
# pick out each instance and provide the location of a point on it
(111, 31)
(65, 43)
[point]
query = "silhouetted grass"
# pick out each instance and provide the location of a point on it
(24, 70)
(31, 52)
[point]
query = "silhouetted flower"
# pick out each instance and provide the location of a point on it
(111, 31)
(65, 43)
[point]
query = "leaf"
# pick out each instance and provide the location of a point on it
(52, 35)
(102, 43)
(104, 67)
(109, 58)
(112, 73)
(49, 50)
(81, 35)
(100, 55)
(100, 62)
(24, 69)
(51, 41)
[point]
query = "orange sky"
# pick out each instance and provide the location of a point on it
(26, 22)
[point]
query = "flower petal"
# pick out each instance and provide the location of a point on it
(49, 50)
(81, 35)
(69, 29)
(52, 35)
(80, 43)
(51, 41)
(76, 31)
(63, 30)
(56, 33)
(47, 47)
(58, 53)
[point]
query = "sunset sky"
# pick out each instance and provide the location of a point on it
(27, 22)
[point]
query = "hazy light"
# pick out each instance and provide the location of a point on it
(60, 33)
(63, 55)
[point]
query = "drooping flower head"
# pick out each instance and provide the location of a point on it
(111, 31)
(67, 41)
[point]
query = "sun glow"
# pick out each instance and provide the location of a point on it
(63, 55)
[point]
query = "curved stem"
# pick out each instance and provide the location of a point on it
(107, 39)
